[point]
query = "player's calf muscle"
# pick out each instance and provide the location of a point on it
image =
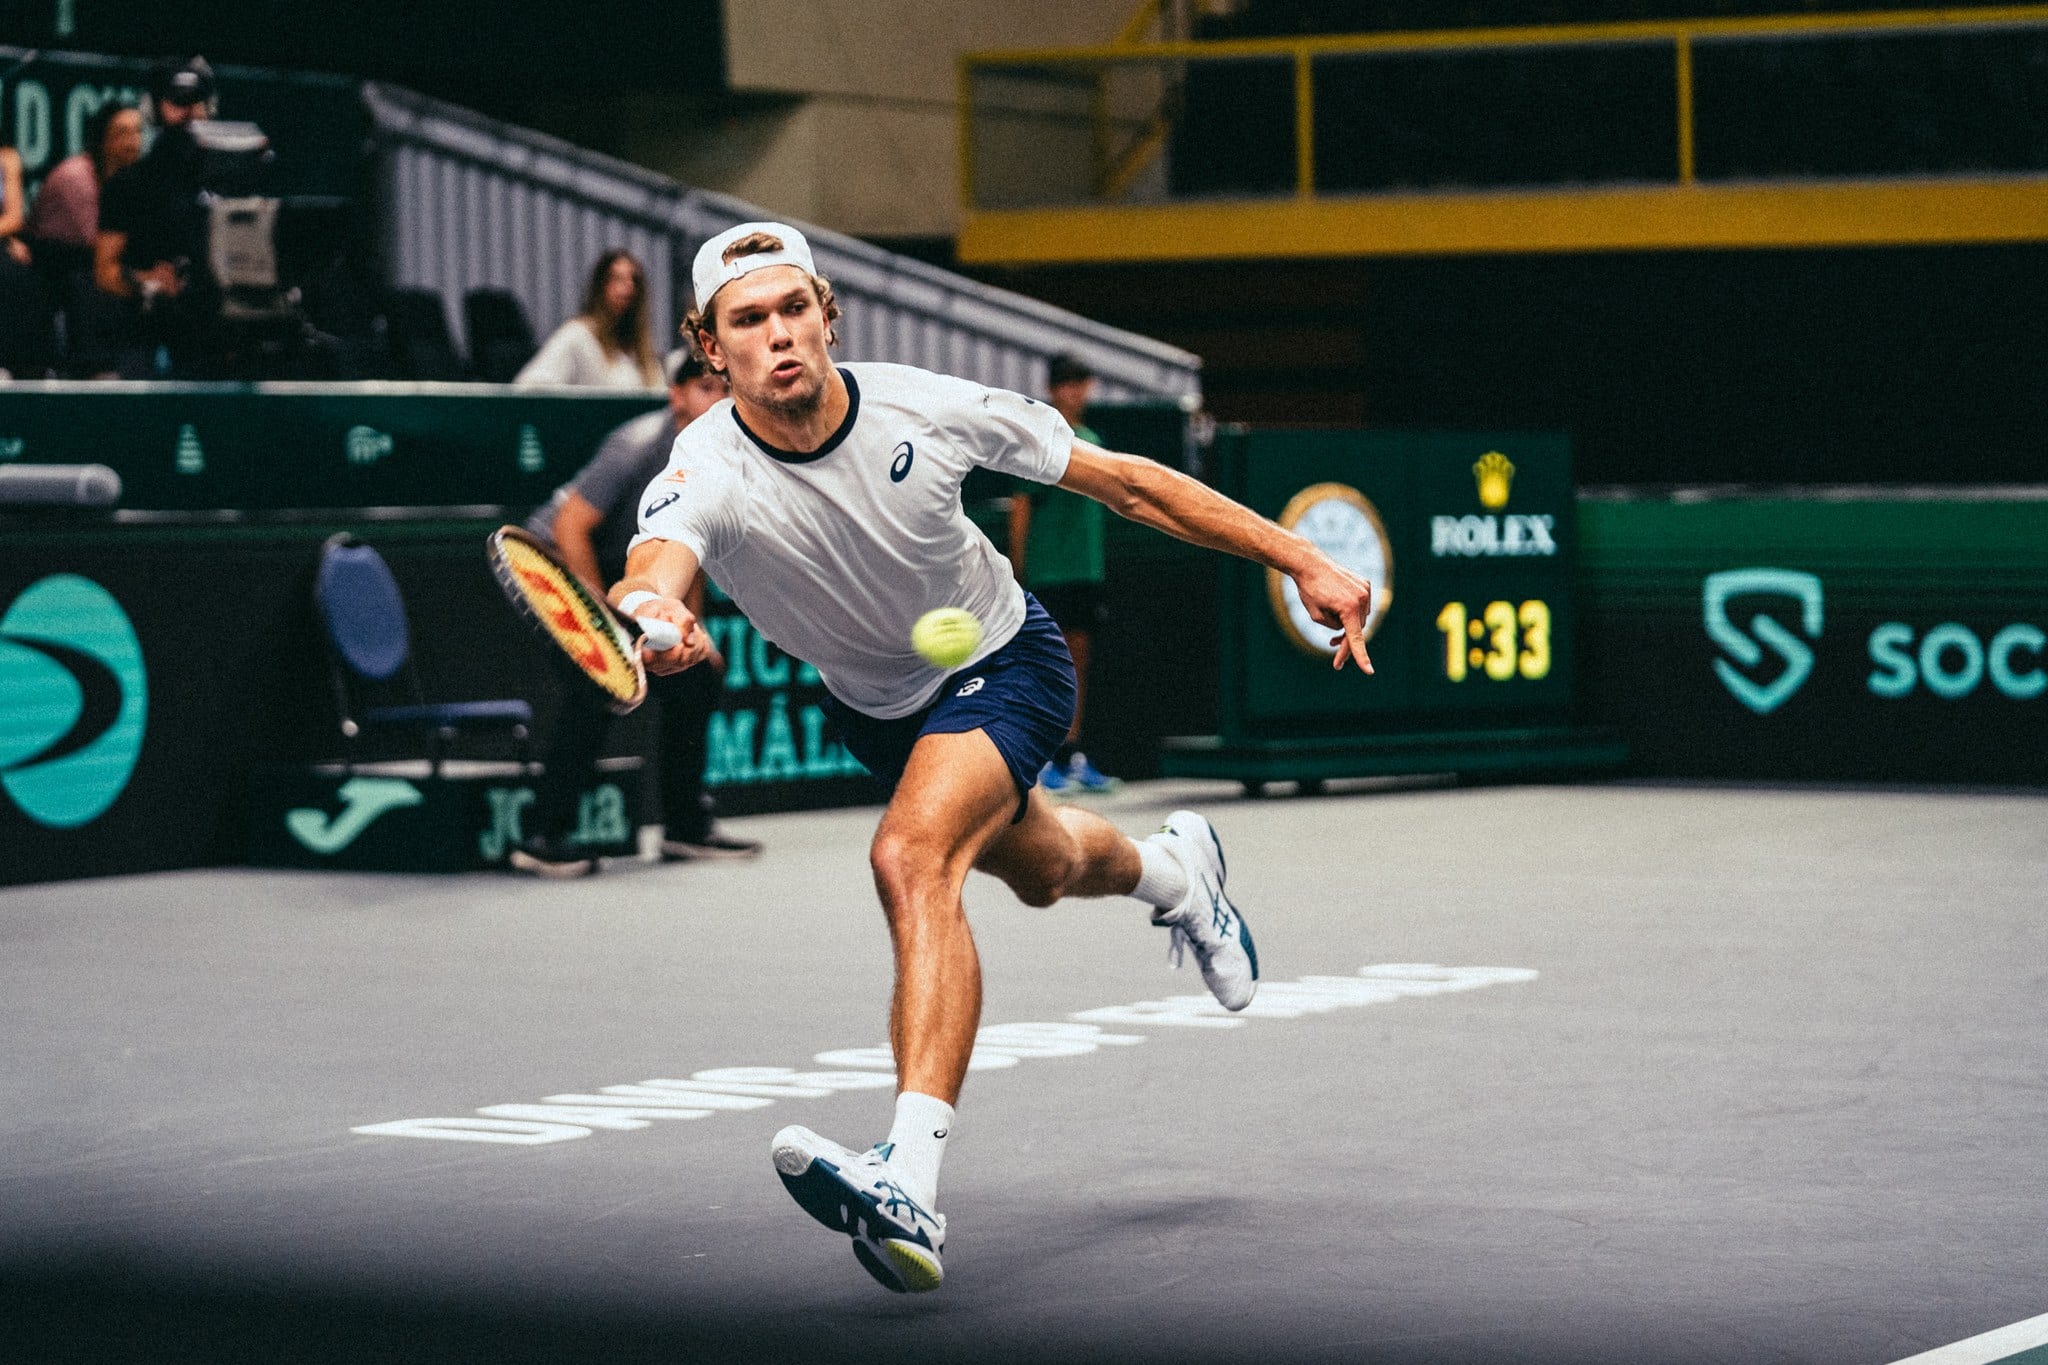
(1045, 877)
(1059, 853)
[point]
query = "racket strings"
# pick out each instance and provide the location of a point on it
(566, 610)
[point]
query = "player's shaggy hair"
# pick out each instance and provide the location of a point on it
(696, 321)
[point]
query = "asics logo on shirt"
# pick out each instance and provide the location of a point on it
(899, 468)
(973, 685)
(660, 503)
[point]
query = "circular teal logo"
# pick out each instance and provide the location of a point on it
(74, 699)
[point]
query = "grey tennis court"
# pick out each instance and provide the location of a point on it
(1591, 1073)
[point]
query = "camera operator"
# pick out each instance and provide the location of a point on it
(151, 246)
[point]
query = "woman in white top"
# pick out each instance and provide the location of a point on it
(607, 344)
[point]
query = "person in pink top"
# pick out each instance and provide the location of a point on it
(64, 225)
(65, 221)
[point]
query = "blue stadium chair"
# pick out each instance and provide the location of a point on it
(417, 339)
(500, 337)
(370, 658)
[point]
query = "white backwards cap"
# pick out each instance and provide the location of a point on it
(709, 273)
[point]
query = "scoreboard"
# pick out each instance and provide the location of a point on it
(1467, 539)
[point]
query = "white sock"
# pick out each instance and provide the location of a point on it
(918, 1138)
(1162, 881)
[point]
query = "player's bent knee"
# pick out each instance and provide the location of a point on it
(904, 870)
(893, 861)
(1043, 880)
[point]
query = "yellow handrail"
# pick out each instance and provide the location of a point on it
(1114, 174)
(1134, 27)
(1685, 141)
(1304, 127)
(1529, 35)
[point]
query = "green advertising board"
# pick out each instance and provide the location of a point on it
(1841, 635)
(1468, 541)
(264, 447)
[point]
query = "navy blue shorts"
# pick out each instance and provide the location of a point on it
(1022, 697)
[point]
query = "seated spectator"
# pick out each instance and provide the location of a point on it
(64, 225)
(591, 520)
(24, 313)
(151, 247)
(607, 344)
(66, 218)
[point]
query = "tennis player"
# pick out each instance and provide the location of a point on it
(825, 500)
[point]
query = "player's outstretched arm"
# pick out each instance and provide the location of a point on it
(1150, 494)
(665, 571)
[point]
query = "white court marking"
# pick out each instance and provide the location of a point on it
(624, 1108)
(1998, 1344)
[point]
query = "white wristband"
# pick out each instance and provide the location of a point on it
(630, 604)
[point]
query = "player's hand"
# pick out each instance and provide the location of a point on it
(694, 648)
(1341, 600)
(161, 278)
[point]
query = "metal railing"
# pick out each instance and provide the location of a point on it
(469, 202)
(1137, 122)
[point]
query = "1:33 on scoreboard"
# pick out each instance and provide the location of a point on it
(1468, 540)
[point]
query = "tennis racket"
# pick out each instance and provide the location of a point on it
(586, 628)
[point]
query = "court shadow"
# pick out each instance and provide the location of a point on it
(109, 1311)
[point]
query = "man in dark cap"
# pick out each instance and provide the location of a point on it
(591, 520)
(1056, 551)
(152, 237)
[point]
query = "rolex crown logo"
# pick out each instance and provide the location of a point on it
(1495, 472)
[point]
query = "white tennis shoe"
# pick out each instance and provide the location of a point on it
(895, 1238)
(1205, 920)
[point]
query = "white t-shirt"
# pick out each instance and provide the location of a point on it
(573, 355)
(834, 555)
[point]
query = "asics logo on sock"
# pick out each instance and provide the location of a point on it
(940, 1134)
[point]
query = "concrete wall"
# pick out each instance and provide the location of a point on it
(857, 127)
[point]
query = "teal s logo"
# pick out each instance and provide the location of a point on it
(74, 700)
(1805, 590)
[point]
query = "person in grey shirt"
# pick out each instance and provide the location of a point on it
(591, 519)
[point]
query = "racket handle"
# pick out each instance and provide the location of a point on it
(658, 634)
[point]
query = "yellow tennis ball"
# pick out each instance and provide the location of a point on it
(946, 636)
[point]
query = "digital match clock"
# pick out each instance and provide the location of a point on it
(1472, 658)
(1504, 641)
(1467, 543)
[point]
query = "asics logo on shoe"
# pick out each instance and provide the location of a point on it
(895, 1201)
(1218, 916)
(973, 685)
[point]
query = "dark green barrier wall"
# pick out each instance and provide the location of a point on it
(254, 447)
(1802, 640)
(169, 662)
(1648, 665)
(1814, 639)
